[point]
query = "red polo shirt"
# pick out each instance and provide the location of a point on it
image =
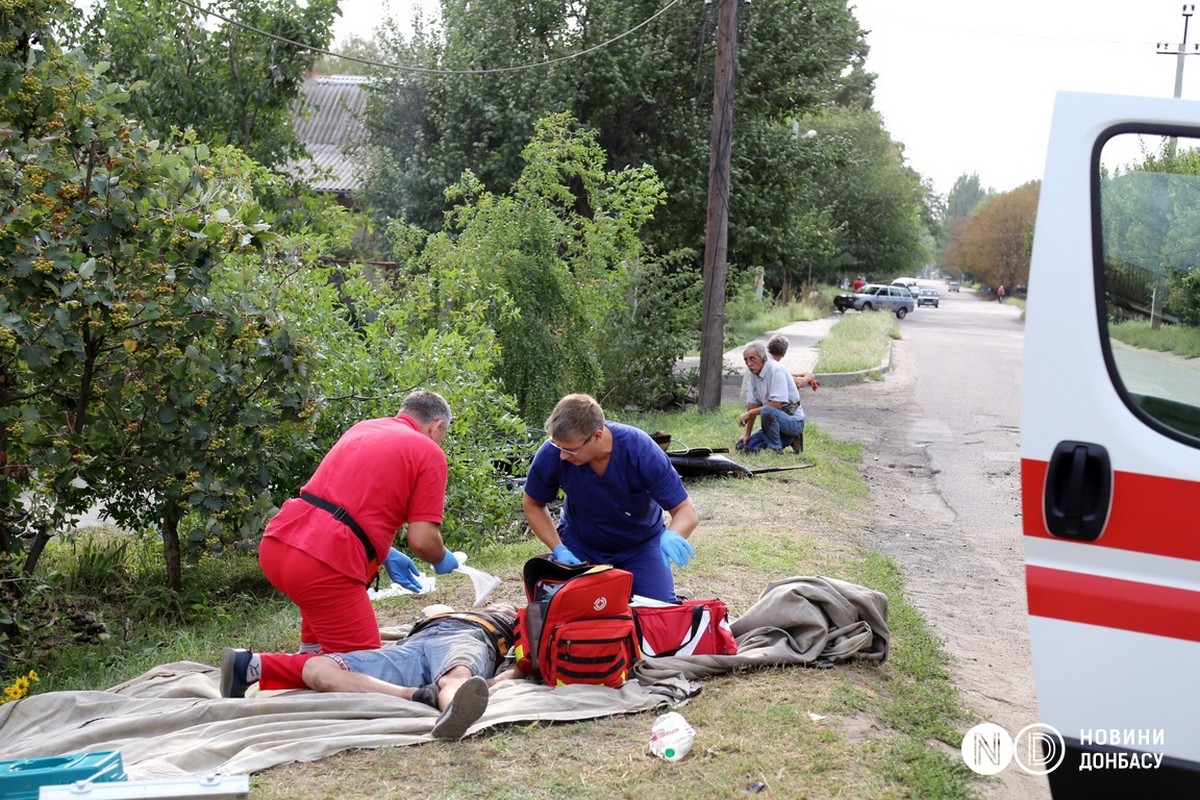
(386, 473)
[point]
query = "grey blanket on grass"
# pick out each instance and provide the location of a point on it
(171, 721)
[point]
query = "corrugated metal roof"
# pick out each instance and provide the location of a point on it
(328, 120)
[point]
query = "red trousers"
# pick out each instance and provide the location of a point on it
(283, 670)
(335, 611)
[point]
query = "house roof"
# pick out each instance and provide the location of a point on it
(328, 120)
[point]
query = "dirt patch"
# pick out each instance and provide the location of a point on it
(970, 588)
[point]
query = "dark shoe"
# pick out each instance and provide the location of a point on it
(427, 694)
(468, 705)
(798, 444)
(234, 664)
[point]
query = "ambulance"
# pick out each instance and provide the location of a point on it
(1110, 449)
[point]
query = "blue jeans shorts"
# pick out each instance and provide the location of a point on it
(426, 656)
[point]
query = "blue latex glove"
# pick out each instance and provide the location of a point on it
(675, 548)
(448, 564)
(563, 555)
(401, 569)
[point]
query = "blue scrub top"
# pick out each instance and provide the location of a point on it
(616, 512)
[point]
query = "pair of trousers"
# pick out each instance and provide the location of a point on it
(335, 611)
(777, 428)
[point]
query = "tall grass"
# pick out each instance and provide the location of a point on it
(1182, 340)
(857, 342)
(747, 318)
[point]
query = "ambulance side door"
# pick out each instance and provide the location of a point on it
(1110, 446)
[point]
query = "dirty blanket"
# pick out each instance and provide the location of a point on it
(171, 721)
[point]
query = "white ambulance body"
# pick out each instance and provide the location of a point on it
(1110, 448)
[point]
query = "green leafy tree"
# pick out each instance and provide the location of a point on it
(125, 379)
(647, 93)
(876, 202)
(556, 284)
(188, 69)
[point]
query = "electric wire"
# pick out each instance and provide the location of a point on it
(429, 70)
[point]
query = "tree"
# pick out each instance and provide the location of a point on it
(996, 240)
(188, 69)
(125, 377)
(964, 197)
(648, 95)
(556, 267)
(876, 203)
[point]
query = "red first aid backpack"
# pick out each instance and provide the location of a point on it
(577, 627)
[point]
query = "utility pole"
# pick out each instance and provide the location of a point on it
(716, 241)
(1164, 49)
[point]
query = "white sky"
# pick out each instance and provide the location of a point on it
(969, 87)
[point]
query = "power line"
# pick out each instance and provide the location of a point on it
(1164, 50)
(427, 70)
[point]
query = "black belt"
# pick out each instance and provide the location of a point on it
(342, 516)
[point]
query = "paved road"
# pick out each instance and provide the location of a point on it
(943, 465)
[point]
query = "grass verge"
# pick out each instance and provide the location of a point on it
(1182, 340)
(857, 341)
(857, 730)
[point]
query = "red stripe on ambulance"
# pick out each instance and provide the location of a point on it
(1113, 603)
(1150, 514)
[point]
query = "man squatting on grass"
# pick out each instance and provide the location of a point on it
(771, 398)
(447, 661)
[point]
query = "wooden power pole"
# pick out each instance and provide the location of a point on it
(716, 243)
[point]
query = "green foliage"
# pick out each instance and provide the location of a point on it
(130, 376)
(876, 203)
(1184, 297)
(648, 95)
(554, 268)
(187, 69)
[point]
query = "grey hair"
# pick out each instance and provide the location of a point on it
(426, 406)
(758, 347)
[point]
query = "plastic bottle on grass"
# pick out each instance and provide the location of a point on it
(671, 736)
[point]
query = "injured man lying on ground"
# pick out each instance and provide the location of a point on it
(448, 661)
(176, 719)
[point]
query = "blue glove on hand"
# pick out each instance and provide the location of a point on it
(448, 564)
(675, 548)
(563, 555)
(401, 569)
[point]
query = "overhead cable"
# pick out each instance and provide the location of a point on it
(427, 70)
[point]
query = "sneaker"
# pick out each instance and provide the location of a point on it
(467, 706)
(427, 694)
(234, 664)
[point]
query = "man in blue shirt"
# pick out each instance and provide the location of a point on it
(616, 483)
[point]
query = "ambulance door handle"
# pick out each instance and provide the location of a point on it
(1078, 490)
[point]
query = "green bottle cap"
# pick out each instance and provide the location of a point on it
(669, 752)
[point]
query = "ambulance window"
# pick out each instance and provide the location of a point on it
(1150, 248)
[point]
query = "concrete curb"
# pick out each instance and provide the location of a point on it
(848, 378)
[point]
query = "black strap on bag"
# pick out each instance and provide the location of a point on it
(343, 516)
